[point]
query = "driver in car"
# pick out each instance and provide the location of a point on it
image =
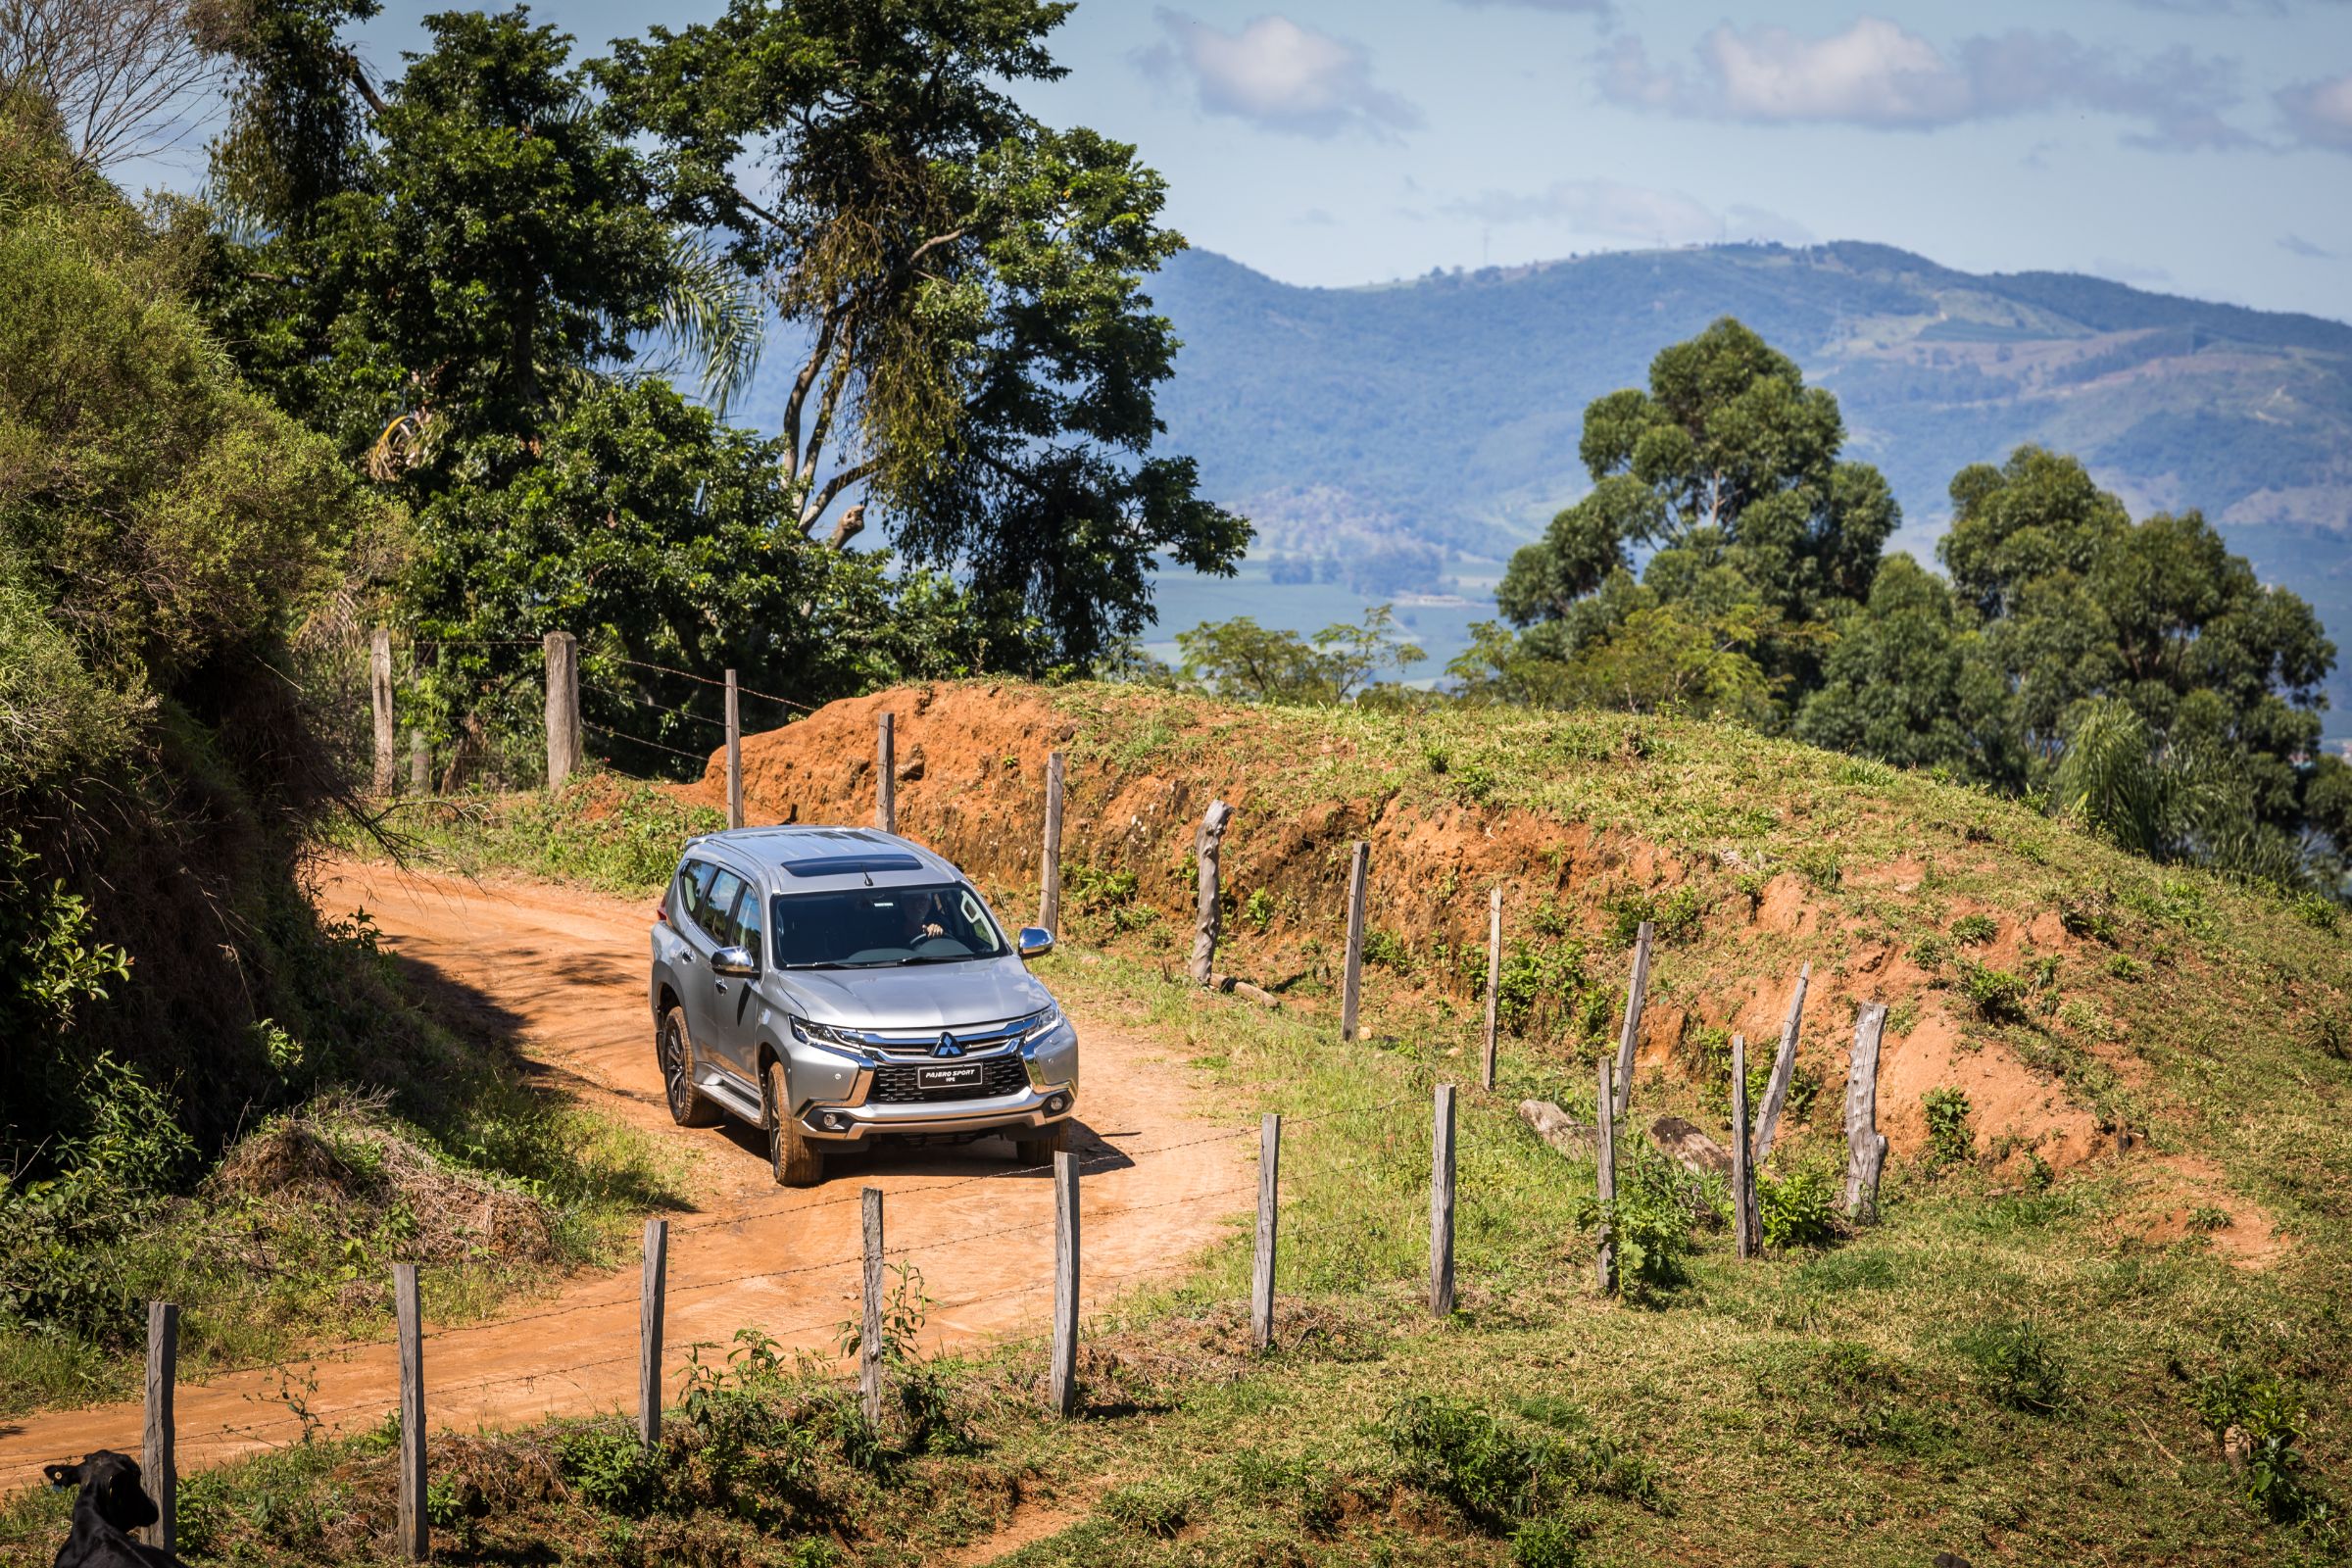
(923, 920)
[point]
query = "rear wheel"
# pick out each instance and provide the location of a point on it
(795, 1162)
(673, 1048)
(1050, 1139)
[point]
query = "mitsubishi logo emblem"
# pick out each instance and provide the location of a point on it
(946, 1046)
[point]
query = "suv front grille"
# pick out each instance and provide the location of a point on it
(897, 1084)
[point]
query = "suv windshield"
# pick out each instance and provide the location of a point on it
(875, 926)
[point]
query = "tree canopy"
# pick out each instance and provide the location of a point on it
(980, 358)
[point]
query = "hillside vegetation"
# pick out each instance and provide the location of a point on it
(180, 563)
(2113, 1230)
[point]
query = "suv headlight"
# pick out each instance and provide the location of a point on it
(1038, 1025)
(821, 1034)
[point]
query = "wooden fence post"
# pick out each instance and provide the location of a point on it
(421, 763)
(1064, 1371)
(379, 698)
(562, 653)
(1441, 1206)
(1635, 994)
(886, 775)
(1207, 843)
(159, 1464)
(1485, 1078)
(1353, 982)
(1783, 1067)
(1049, 891)
(869, 1337)
(415, 1530)
(1604, 1146)
(734, 753)
(653, 1296)
(1261, 1273)
(1743, 1174)
(1865, 1146)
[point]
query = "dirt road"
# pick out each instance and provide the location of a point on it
(564, 971)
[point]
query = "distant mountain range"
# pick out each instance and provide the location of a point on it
(1403, 439)
(1398, 441)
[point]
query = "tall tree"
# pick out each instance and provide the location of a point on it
(1727, 464)
(2081, 603)
(1909, 681)
(980, 359)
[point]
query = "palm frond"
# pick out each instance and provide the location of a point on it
(717, 318)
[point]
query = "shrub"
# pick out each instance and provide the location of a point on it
(611, 1471)
(1798, 1208)
(1387, 949)
(2264, 1414)
(1951, 1140)
(1258, 910)
(1996, 993)
(1498, 1471)
(1974, 930)
(1546, 1543)
(1650, 1221)
(1931, 952)
(1820, 866)
(2016, 1366)
(1675, 916)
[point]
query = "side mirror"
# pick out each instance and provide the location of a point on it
(736, 961)
(1035, 942)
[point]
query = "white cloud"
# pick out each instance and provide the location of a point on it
(1606, 208)
(1279, 76)
(2297, 245)
(1881, 75)
(2321, 112)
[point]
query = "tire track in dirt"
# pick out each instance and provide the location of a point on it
(563, 971)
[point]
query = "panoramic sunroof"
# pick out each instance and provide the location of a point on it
(851, 864)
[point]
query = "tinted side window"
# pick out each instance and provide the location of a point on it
(693, 883)
(716, 915)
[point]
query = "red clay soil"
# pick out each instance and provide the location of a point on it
(566, 970)
(972, 763)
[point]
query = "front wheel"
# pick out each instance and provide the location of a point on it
(673, 1048)
(790, 1156)
(1050, 1139)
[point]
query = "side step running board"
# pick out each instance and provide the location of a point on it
(731, 1092)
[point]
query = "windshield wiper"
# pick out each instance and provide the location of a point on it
(825, 965)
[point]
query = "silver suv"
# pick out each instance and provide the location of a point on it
(838, 986)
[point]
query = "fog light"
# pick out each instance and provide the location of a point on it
(835, 1121)
(1058, 1105)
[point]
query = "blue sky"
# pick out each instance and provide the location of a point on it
(2195, 146)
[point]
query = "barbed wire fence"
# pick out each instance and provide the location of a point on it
(565, 730)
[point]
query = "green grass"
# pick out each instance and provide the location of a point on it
(1986, 1372)
(2002, 1368)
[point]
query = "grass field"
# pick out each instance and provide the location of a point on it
(2043, 1353)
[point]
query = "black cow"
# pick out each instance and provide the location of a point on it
(112, 1504)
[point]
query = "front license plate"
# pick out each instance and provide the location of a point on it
(963, 1075)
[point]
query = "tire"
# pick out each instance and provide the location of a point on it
(794, 1160)
(674, 1054)
(1050, 1139)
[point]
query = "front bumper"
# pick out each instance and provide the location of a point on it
(1001, 1114)
(844, 1107)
